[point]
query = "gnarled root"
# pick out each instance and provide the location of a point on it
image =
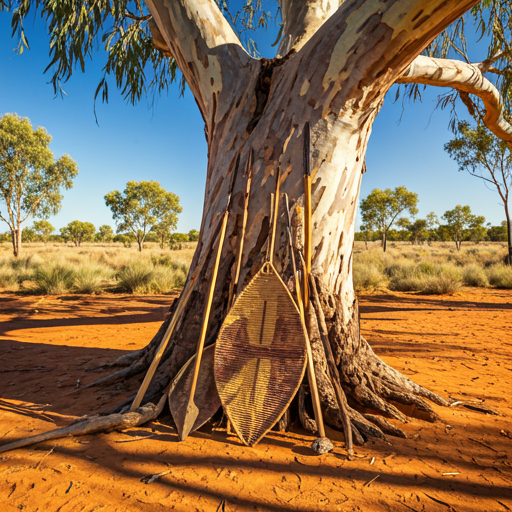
(347, 368)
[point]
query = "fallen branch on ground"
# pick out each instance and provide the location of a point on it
(93, 425)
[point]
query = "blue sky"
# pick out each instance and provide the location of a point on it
(165, 141)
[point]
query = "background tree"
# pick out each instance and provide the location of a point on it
(78, 232)
(367, 232)
(30, 178)
(431, 227)
(478, 231)
(141, 206)
(459, 223)
(28, 235)
(482, 154)
(125, 238)
(176, 240)
(382, 207)
(193, 235)
(105, 234)
(417, 231)
(44, 229)
(335, 63)
(165, 227)
(498, 233)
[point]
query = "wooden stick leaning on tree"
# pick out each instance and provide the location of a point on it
(311, 369)
(332, 371)
(189, 288)
(233, 290)
(192, 410)
(307, 210)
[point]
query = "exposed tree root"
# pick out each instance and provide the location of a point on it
(93, 425)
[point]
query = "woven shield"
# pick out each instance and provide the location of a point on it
(206, 397)
(260, 356)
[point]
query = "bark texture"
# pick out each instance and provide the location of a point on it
(336, 62)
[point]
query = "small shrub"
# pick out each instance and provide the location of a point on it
(164, 260)
(91, 279)
(474, 275)
(443, 284)
(500, 275)
(411, 283)
(53, 278)
(8, 278)
(367, 277)
(165, 280)
(135, 278)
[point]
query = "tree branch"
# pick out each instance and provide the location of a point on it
(205, 47)
(301, 19)
(364, 46)
(463, 77)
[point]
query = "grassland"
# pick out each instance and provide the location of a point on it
(112, 268)
(93, 268)
(437, 269)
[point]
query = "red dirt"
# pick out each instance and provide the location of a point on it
(458, 346)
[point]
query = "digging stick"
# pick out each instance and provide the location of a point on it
(165, 340)
(275, 214)
(332, 371)
(233, 291)
(192, 410)
(307, 210)
(311, 369)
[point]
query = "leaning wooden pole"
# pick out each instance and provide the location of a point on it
(233, 291)
(94, 425)
(192, 410)
(332, 370)
(307, 210)
(311, 368)
(183, 300)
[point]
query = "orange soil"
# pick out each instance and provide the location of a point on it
(460, 347)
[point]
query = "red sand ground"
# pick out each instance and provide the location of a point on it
(458, 346)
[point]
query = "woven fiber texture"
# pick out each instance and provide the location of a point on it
(260, 356)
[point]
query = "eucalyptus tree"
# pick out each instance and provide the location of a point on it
(143, 206)
(431, 227)
(164, 228)
(460, 223)
(485, 156)
(334, 65)
(193, 235)
(105, 233)
(382, 207)
(30, 178)
(78, 232)
(44, 229)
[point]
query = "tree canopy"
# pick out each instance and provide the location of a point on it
(78, 232)
(105, 233)
(381, 208)
(140, 62)
(44, 229)
(30, 178)
(142, 206)
(460, 222)
(483, 155)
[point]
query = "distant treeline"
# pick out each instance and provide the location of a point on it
(442, 233)
(78, 232)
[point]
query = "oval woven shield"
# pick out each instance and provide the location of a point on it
(260, 356)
